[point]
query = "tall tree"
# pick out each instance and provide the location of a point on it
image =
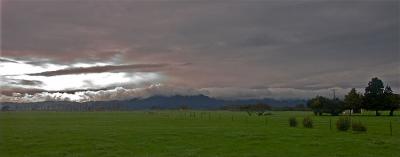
(333, 106)
(391, 100)
(321, 105)
(374, 97)
(353, 101)
(316, 105)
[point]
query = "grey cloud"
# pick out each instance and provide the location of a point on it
(302, 45)
(120, 93)
(8, 91)
(100, 69)
(117, 93)
(29, 82)
(7, 60)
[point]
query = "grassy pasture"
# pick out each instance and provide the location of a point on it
(189, 133)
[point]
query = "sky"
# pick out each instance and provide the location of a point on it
(95, 50)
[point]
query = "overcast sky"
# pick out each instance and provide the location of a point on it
(101, 49)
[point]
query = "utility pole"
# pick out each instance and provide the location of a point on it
(334, 93)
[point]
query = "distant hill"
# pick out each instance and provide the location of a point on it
(154, 102)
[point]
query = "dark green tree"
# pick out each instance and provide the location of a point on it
(334, 106)
(391, 100)
(353, 101)
(259, 109)
(316, 105)
(321, 105)
(373, 96)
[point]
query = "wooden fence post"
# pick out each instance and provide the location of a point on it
(391, 128)
(266, 120)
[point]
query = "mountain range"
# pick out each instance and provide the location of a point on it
(154, 102)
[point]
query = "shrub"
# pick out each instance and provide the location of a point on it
(358, 126)
(343, 123)
(267, 113)
(292, 122)
(307, 122)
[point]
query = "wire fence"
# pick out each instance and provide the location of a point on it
(378, 125)
(386, 125)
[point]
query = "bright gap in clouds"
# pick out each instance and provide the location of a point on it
(17, 67)
(86, 65)
(14, 71)
(88, 81)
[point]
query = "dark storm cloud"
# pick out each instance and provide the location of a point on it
(100, 69)
(304, 45)
(7, 60)
(29, 82)
(10, 91)
(21, 82)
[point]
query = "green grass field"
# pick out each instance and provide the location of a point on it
(172, 134)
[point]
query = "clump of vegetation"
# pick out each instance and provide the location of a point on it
(358, 127)
(307, 122)
(267, 113)
(259, 109)
(376, 98)
(292, 122)
(343, 123)
(320, 105)
(184, 107)
(353, 101)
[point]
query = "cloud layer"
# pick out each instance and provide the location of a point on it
(120, 93)
(238, 49)
(24, 77)
(100, 69)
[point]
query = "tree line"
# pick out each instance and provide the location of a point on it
(256, 109)
(376, 98)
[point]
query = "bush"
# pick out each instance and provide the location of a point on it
(292, 122)
(307, 122)
(267, 113)
(358, 126)
(343, 123)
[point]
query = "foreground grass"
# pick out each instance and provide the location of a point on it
(183, 134)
